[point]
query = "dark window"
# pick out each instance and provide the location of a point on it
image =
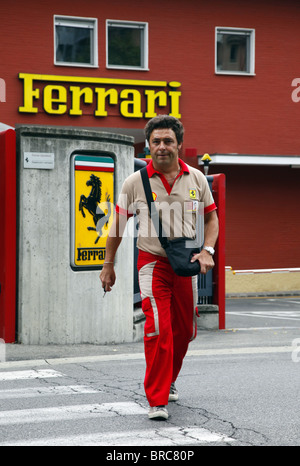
(127, 45)
(75, 41)
(73, 44)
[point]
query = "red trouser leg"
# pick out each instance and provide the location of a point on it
(168, 302)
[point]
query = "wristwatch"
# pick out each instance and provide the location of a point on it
(209, 249)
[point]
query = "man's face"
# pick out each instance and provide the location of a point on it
(164, 148)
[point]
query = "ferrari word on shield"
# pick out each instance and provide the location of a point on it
(93, 197)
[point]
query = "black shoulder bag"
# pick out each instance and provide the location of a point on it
(179, 251)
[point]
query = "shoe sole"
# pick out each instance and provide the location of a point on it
(158, 415)
(173, 397)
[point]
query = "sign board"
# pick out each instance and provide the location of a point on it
(41, 160)
(67, 95)
(92, 194)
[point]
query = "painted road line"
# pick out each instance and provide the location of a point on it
(73, 412)
(267, 315)
(140, 356)
(246, 350)
(167, 436)
(73, 360)
(31, 374)
(32, 392)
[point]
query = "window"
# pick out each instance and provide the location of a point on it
(75, 41)
(126, 45)
(234, 51)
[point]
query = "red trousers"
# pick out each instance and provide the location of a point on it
(169, 304)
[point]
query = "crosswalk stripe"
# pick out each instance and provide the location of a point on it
(30, 374)
(62, 413)
(31, 392)
(166, 436)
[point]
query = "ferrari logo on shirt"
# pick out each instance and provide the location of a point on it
(192, 194)
(154, 196)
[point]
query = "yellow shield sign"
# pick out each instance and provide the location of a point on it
(92, 210)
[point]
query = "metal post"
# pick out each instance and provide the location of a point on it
(8, 236)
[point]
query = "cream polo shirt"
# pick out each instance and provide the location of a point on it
(178, 205)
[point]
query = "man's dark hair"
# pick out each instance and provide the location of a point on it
(162, 122)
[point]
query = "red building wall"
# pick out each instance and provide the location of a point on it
(241, 114)
(262, 217)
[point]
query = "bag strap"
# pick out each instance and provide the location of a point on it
(152, 209)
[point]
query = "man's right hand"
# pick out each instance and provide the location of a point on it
(107, 276)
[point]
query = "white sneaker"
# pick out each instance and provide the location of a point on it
(173, 395)
(158, 412)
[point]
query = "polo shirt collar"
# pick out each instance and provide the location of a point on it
(151, 170)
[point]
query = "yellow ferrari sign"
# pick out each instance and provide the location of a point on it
(93, 197)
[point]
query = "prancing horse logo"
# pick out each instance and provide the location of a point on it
(91, 202)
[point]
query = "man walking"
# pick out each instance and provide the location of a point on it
(168, 300)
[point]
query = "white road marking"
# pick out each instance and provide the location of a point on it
(282, 300)
(269, 315)
(159, 437)
(72, 360)
(247, 350)
(73, 412)
(31, 374)
(30, 392)
(135, 356)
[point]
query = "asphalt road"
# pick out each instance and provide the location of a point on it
(263, 312)
(238, 387)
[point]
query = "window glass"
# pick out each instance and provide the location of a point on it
(75, 41)
(73, 44)
(234, 51)
(127, 45)
(124, 46)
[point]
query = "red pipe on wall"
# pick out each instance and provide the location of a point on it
(8, 236)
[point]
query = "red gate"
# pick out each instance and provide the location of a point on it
(218, 190)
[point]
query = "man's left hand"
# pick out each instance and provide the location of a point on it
(206, 261)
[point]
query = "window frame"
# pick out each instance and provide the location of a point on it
(237, 31)
(145, 46)
(80, 22)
